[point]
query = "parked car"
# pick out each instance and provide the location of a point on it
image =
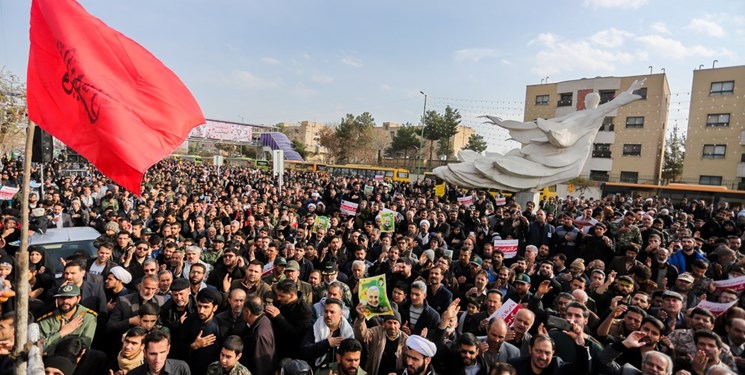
(63, 242)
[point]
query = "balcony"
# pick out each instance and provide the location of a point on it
(742, 138)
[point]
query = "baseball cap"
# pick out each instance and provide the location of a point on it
(477, 260)
(295, 367)
(522, 278)
(280, 261)
(329, 268)
(671, 294)
(292, 266)
(686, 276)
(69, 290)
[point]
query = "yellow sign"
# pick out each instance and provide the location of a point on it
(571, 188)
(440, 190)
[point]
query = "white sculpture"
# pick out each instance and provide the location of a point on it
(553, 150)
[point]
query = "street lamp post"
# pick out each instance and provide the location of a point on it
(421, 140)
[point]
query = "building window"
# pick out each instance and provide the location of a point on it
(632, 150)
(717, 119)
(608, 124)
(641, 92)
(601, 150)
(599, 175)
(541, 100)
(714, 151)
(607, 95)
(710, 180)
(742, 158)
(635, 122)
(631, 177)
(722, 88)
(565, 99)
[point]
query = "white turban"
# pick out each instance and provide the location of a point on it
(121, 274)
(421, 345)
(424, 222)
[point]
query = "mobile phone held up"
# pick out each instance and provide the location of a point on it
(558, 323)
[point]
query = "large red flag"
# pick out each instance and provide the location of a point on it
(104, 95)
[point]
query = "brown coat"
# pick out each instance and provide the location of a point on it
(375, 338)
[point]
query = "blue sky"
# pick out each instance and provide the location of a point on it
(264, 62)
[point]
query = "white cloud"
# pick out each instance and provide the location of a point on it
(610, 38)
(559, 55)
(668, 47)
(706, 26)
(270, 60)
(473, 54)
(625, 4)
(303, 91)
(660, 28)
(246, 79)
(351, 61)
(506, 62)
(321, 78)
(385, 87)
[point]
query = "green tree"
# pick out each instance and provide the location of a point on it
(448, 129)
(328, 139)
(431, 122)
(300, 148)
(354, 139)
(672, 165)
(476, 143)
(12, 113)
(405, 140)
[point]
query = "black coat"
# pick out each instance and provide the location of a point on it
(557, 365)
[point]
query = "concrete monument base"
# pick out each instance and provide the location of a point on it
(524, 197)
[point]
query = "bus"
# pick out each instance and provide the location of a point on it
(369, 171)
(241, 161)
(305, 166)
(196, 159)
(676, 192)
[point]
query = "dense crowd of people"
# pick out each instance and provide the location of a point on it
(229, 273)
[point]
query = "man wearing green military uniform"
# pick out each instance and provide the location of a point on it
(68, 318)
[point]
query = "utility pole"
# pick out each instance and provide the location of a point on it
(421, 140)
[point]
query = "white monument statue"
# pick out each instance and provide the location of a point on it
(553, 150)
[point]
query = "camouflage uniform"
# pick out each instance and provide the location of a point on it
(216, 369)
(633, 236)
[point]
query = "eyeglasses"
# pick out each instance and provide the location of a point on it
(142, 248)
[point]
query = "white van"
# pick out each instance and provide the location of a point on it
(63, 242)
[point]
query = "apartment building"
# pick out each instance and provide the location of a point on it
(715, 142)
(629, 145)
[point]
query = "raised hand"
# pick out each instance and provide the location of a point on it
(635, 340)
(544, 288)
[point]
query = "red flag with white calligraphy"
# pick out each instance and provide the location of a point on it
(104, 95)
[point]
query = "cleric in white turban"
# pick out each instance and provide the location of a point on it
(421, 345)
(121, 274)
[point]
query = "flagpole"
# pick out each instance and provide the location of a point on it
(22, 287)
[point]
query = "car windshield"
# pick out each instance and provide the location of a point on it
(55, 251)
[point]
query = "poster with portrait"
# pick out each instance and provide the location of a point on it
(373, 295)
(387, 221)
(321, 222)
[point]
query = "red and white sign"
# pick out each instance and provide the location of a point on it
(7, 192)
(507, 312)
(501, 201)
(379, 177)
(737, 284)
(508, 247)
(465, 201)
(716, 308)
(349, 208)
